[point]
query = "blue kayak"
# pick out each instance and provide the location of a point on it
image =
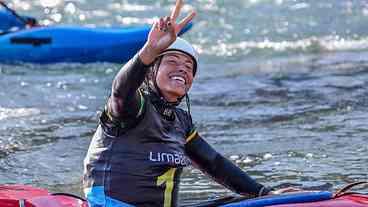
(55, 44)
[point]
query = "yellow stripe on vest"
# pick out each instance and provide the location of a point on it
(192, 136)
(141, 104)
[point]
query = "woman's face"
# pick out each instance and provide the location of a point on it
(175, 75)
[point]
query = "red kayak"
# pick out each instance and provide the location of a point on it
(351, 200)
(28, 196)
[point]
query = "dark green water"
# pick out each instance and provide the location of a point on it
(282, 91)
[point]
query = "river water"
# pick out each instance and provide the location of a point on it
(282, 91)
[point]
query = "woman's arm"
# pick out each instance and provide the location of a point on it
(125, 98)
(223, 170)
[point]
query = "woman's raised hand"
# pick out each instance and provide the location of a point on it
(163, 33)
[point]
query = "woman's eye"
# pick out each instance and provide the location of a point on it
(171, 62)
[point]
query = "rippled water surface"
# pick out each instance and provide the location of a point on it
(282, 91)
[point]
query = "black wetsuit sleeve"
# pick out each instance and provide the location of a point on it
(125, 100)
(221, 169)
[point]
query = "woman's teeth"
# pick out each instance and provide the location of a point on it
(178, 78)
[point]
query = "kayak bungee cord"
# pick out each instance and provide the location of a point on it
(70, 195)
(28, 22)
(20, 18)
(345, 190)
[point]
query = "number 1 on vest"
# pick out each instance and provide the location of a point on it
(168, 179)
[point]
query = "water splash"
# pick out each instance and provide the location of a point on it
(6, 113)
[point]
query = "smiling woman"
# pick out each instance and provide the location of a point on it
(174, 83)
(178, 65)
(144, 139)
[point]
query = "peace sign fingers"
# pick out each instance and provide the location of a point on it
(176, 12)
(185, 21)
(164, 32)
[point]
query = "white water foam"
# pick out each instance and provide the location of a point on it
(17, 112)
(323, 44)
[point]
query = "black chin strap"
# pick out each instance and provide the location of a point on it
(188, 102)
(165, 108)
